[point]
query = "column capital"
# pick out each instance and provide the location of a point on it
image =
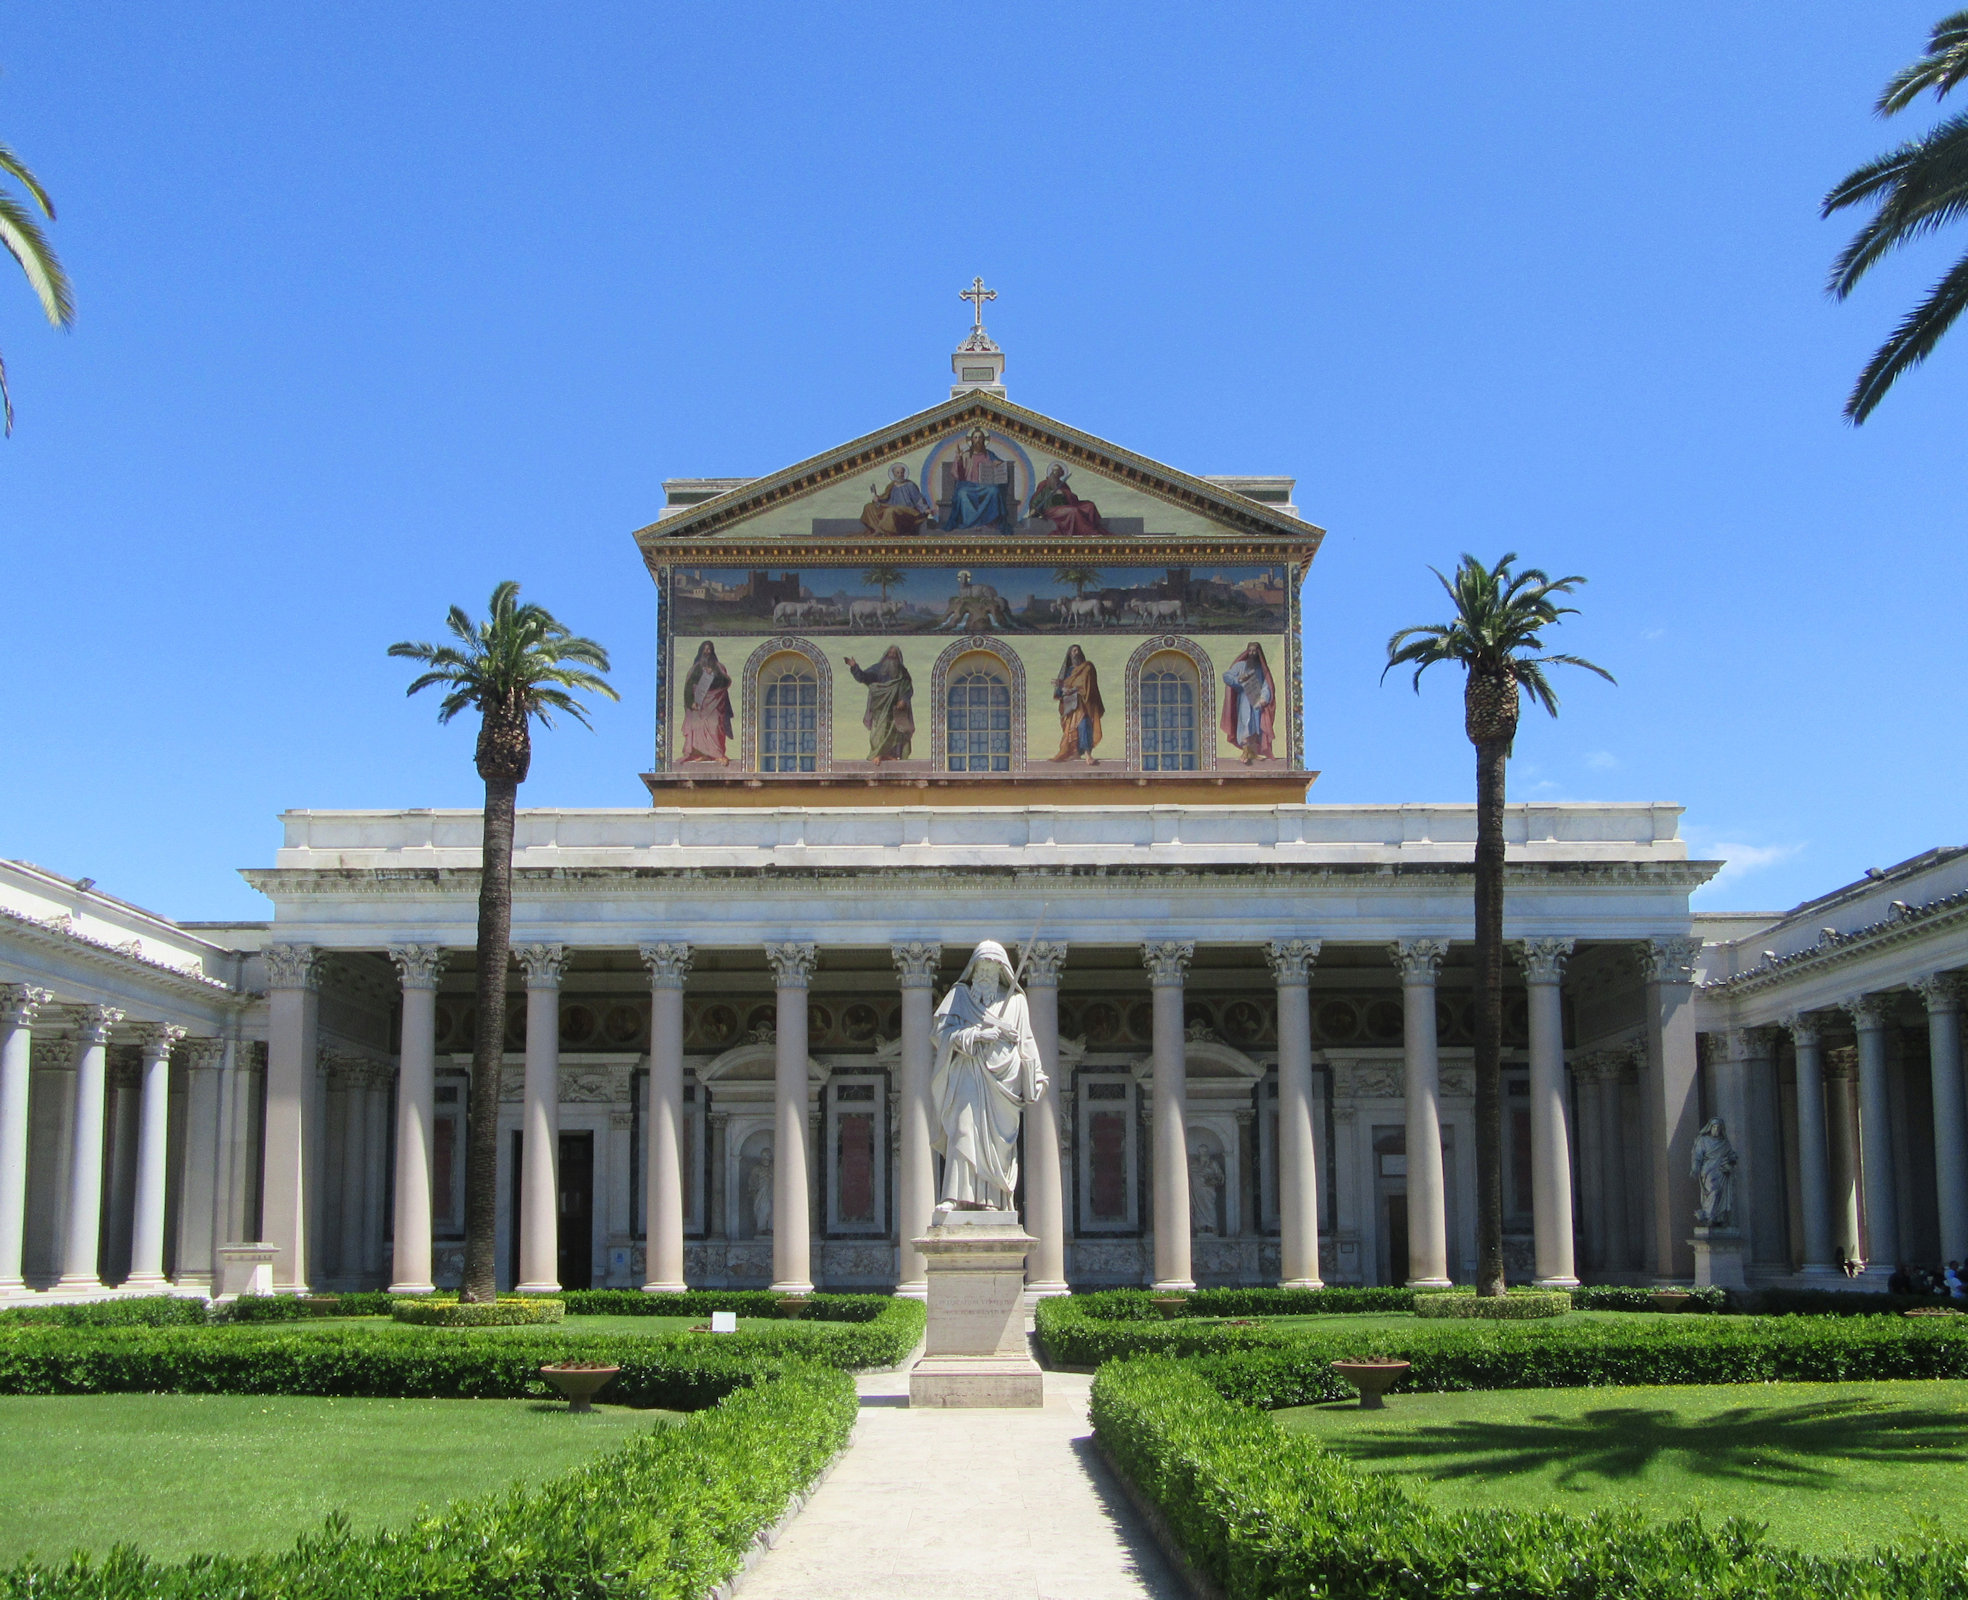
(1543, 960)
(1418, 960)
(20, 1001)
(204, 1055)
(668, 961)
(291, 966)
(1804, 1027)
(1752, 1044)
(92, 1023)
(916, 962)
(1941, 991)
(1044, 961)
(1291, 959)
(55, 1051)
(156, 1039)
(421, 965)
(1869, 1012)
(544, 964)
(1167, 960)
(1671, 960)
(792, 963)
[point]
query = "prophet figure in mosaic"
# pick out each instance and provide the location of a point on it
(706, 708)
(981, 496)
(890, 718)
(1250, 703)
(1067, 512)
(1077, 689)
(987, 1071)
(899, 508)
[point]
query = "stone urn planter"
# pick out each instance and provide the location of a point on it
(790, 1305)
(1372, 1378)
(579, 1381)
(1669, 1299)
(1170, 1305)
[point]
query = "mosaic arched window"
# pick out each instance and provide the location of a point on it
(1170, 690)
(788, 709)
(979, 693)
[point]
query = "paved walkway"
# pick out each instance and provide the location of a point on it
(967, 1505)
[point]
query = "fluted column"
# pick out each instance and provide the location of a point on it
(1045, 1189)
(1543, 961)
(293, 1011)
(792, 1228)
(1942, 992)
(915, 1180)
(1813, 1171)
(539, 1145)
(19, 1004)
(1871, 1017)
(153, 1123)
(662, 1203)
(1298, 1161)
(82, 1230)
(421, 966)
(1419, 961)
(1673, 1107)
(1167, 960)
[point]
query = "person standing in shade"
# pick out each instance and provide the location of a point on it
(1077, 689)
(890, 718)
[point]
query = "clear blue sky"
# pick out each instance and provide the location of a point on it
(383, 303)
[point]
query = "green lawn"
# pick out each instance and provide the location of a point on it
(608, 1325)
(1830, 1467)
(1407, 1321)
(175, 1474)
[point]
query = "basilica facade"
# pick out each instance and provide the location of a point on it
(976, 674)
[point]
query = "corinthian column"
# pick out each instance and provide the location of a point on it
(410, 1266)
(82, 1233)
(153, 1122)
(1298, 1162)
(18, 1004)
(1672, 1107)
(1543, 961)
(539, 1145)
(1813, 1171)
(1419, 961)
(792, 1228)
(1882, 1203)
(293, 1010)
(915, 1181)
(1167, 960)
(662, 1206)
(1942, 992)
(1045, 1191)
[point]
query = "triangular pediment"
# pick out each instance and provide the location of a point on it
(924, 465)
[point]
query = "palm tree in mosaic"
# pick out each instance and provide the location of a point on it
(883, 578)
(516, 665)
(27, 244)
(1081, 578)
(1495, 635)
(1917, 188)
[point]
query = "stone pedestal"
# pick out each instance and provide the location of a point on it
(975, 1352)
(245, 1269)
(1718, 1258)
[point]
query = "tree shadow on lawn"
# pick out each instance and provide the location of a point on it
(1799, 1446)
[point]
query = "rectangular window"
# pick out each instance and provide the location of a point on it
(1109, 1175)
(1105, 1154)
(856, 1153)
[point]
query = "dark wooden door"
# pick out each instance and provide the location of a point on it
(577, 1210)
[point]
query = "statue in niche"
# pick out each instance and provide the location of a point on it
(1713, 1167)
(1205, 1191)
(987, 1071)
(760, 1184)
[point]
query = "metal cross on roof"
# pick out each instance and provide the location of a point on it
(977, 294)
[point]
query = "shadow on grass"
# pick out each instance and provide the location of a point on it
(1799, 1446)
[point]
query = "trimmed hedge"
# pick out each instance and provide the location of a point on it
(304, 1308)
(484, 1314)
(139, 1311)
(1262, 1515)
(669, 1516)
(702, 1302)
(1495, 1308)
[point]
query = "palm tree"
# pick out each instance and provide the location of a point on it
(883, 578)
(518, 664)
(1918, 188)
(1498, 618)
(1081, 578)
(23, 237)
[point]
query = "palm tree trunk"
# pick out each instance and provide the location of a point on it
(481, 1282)
(1491, 758)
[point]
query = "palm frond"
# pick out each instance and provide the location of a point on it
(519, 659)
(1921, 186)
(1911, 342)
(6, 398)
(1944, 65)
(16, 169)
(28, 245)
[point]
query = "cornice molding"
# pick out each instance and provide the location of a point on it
(55, 933)
(1904, 926)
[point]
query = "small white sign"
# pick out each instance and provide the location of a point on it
(724, 1322)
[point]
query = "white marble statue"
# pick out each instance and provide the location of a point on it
(987, 1071)
(1713, 1167)
(762, 1194)
(1206, 1178)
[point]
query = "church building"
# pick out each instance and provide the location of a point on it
(975, 674)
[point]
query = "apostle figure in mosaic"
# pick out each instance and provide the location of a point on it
(1067, 512)
(1712, 1164)
(1250, 703)
(890, 718)
(987, 1071)
(706, 708)
(1077, 689)
(899, 509)
(981, 498)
